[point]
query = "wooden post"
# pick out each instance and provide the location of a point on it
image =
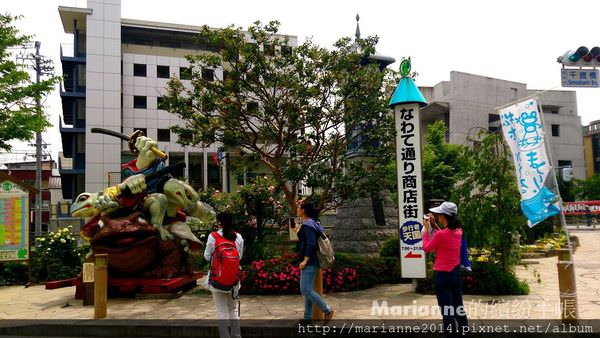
(100, 286)
(88, 283)
(566, 286)
(318, 286)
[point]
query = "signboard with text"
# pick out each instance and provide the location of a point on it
(579, 77)
(410, 192)
(14, 220)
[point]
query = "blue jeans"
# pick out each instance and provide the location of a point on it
(448, 287)
(307, 278)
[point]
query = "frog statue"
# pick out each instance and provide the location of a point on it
(142, 223)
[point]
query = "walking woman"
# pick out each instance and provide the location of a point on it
(308, 235)
(224, 249)
(446, 243)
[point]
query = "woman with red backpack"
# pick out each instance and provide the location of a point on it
(224, 249)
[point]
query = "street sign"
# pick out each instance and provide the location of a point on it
(580, 77)
(14, 222)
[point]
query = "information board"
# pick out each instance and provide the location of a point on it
(14, 221)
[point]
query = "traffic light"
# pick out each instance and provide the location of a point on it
(582, 57)
(567, 174)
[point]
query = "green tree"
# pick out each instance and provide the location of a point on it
(487, 196)
(290, 109)
(588, 189)
(439, 163)
(20, 117)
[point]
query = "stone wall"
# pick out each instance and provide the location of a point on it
(355, 229)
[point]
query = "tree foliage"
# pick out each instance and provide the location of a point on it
(289, 108)
(588, 189)
(487, 196)
(440, 166)
(20, 117)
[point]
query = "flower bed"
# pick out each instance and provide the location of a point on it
(282, 275)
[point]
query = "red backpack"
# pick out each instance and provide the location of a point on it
(224, 264)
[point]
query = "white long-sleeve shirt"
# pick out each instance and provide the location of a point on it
(210, 248)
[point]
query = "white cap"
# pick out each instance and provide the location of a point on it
(447, 208)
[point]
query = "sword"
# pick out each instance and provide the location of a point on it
(130, 140)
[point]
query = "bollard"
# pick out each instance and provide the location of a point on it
(318, 286)
(100, 285)
(567, 287)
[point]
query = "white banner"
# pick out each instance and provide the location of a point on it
(522, 129)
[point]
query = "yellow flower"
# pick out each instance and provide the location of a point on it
(62, 240)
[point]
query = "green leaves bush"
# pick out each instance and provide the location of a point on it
(56, 256)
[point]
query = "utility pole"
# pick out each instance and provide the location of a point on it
(38, 150)
(42, 66)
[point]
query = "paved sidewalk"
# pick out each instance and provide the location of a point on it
(35, 302)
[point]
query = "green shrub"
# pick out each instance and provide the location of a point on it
(56, 256)
(390, 247)
(13, 273)
(486, 279)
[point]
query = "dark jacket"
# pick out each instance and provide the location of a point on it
(308, 236)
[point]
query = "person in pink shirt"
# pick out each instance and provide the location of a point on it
(446, 243)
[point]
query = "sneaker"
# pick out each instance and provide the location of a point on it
(329, 316)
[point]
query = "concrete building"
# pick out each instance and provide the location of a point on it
(468, 101)
(115, 74)
(591, 145)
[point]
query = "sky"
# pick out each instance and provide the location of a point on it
(509, 39)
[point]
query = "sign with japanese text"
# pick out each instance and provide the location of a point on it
(580, 77)
(523, 131)
(410, 192)
(581, 208)
(14, 222)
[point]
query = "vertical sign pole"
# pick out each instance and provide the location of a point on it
(406, 102)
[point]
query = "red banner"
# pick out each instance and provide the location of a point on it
(581, 208)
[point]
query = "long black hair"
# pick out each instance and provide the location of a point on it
(226, 221)
(453, 222)
(310, 210)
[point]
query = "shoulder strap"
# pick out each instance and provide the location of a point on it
(216, 235)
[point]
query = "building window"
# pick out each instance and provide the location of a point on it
(208, 74)
(163, 135)
(493, 123)
(286, 50)
(139, 102)
(139, 70)
(564, 163)
(226, 75)
(556, 130)
(269, 50)
(185, 73)
(162, 72)
(143, 130)
(160, 101)
(252, 107)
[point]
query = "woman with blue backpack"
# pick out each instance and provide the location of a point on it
(224, 249)
(450, 258)
(308, 235)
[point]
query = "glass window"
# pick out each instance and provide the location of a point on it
(556, 130)
(208, 74)
(139, 69)
(185, 73)
(162, 72)
(163, 135)
(139, 102)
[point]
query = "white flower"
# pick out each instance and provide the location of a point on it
(62, 240)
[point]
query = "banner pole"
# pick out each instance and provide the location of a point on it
(566, 266)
